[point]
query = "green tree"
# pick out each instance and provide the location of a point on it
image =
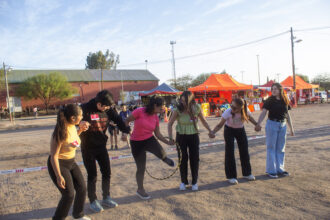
(98, 60)
(46, 87)
(182, 83)
(201, 78)
(323, 80)
(303, 77)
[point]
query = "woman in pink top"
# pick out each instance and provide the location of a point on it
(146, 124)
(233, 119)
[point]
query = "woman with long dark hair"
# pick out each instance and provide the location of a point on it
(62, 167)
(146, 125)
(234, 119)
(277, 106)
(186, 115)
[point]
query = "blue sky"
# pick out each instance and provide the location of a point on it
(45, 34)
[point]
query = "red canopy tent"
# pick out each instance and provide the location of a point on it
(220, 82)
(267, 86)
(218, 88)
(300, 83)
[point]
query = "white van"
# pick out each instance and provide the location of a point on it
(322, 95)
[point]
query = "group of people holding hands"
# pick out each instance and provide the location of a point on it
(93, 120)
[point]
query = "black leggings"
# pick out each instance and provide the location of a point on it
(139, 149)
(190, 142)
(230, 165)
(102, 157)
(74, 180)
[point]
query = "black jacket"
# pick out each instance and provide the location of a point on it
(95, 136)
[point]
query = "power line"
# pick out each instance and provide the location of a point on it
(313, 29)
(205, 53)
(214, 51)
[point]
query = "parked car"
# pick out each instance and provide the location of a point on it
(322, 96)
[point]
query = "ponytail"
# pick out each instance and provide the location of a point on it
(60, 133)
(63, 117)
(244, 112)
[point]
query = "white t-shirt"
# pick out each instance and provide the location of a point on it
(235, 122)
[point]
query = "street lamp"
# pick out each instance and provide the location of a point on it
(258, 69)
(173, 61)
(146, 61)
(242, 74)
(293, 41)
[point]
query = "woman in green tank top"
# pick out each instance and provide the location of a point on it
(186, 115)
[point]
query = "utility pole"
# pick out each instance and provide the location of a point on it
(7, 89)
(278, 77)
(258, 69)
(173, 61)
(101, 79)
(293, 66)
(242, 75)
(146, 61)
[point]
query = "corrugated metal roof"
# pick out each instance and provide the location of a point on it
(18, 76)
(125, 75)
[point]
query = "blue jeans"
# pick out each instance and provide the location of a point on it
(275, 142)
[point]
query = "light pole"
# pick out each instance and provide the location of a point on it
(278, 77)
(146, 61)
(173, 61)
(258, 69)
(7, 90)
(293, 41)
(122, 87)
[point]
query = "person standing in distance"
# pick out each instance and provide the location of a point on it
(98, 113)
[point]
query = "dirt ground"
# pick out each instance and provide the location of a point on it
(305, 194)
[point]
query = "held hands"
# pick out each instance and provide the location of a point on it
(170, 142)
(60, 182)
(211, 134)
(257, 128)
(83, 126)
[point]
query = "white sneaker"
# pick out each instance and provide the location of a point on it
(250, 177)
(233, 181)
(194, 187)
(182, 186)
(85, 217)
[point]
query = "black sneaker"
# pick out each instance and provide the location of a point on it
(111, 147)
(116, 147)
(142, 194)
(169, 162)
(284, 173)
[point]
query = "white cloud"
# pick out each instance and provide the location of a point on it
(86, 7)
(4, 7)
(222, 5)
(37, 8)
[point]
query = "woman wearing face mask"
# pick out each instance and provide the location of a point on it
(146, 123)
(234, 119)
(277, 106)
(187, 137)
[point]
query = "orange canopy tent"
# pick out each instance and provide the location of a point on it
(220, 82)
(300, 83)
